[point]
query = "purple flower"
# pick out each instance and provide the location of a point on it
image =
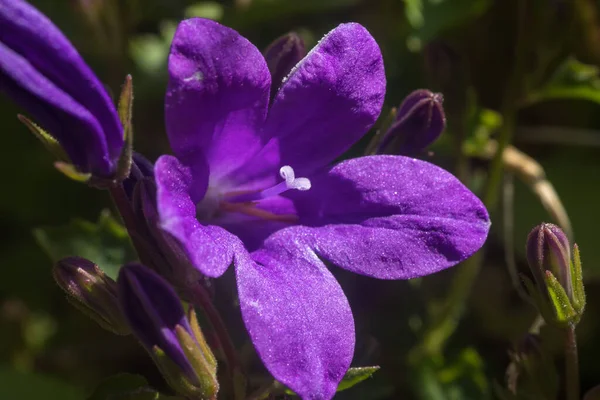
(254, 187)
(41, 71)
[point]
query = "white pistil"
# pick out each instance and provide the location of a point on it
(291, 182)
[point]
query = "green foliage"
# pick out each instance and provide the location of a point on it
(21, 385)
(127, 387)
(105, 242)
(459, 378)
(430, 17)
(572, 80)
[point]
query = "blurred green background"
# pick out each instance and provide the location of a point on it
(467, 49)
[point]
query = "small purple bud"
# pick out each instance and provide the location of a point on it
(158, 320)
(282, 55)
(90, 290)
(420, 120)
(548, 249)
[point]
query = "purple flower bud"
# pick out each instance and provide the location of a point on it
(420, 120)
(157, 318)
(282, 55)
(548, 249)
(42, 72)
(90, 290)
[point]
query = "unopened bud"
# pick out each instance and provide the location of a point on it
(559, 291)
(282, 55)
(157, 318)
(91, 291)
(420, 120)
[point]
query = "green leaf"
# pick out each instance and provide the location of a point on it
(428, 18)
(356, 375)
(352, 377)
(572, 80)
(20, 385)
(206, 9)
(105, 242)
(127, 387)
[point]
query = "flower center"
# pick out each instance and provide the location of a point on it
(245, 202)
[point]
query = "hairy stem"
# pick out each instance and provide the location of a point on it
(201, 299)
(571, 364)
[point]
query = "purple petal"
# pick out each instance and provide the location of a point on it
(35, 38)
(210, 248)
(69, 122)
(298, 318)
(217, 95)
(329, 101)
(390, 217)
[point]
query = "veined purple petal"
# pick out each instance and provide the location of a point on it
(298, 318)
(210, 248)
(389, 217)
(34, 37)
(217, 96)
(68, 121)
(328, 102)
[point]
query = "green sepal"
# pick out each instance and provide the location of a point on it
(199, 336)
(563, 310)
(172, 373)
(352, 377)
(540, 299)
(174, 376)
(356, 375)
(97, 317)
(579, 300)
(49, 142)
(125, 109)
(71, 172)
(206, 374)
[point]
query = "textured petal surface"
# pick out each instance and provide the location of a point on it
(68, 121)
(389, 217)
(210, 248)
(33, 36)
(328, 102)
(217, 95)
(298, 318)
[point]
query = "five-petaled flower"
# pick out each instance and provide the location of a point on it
(41, 71)
(252, 184)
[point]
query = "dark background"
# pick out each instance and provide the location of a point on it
(463, 48)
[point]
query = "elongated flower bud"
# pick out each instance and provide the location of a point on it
(157, 318)
(42, 72)
(282, 55)
(91, 291)
(420, 120)
(557, 275)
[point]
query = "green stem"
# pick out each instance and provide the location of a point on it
(571, 364)
(201, 299)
